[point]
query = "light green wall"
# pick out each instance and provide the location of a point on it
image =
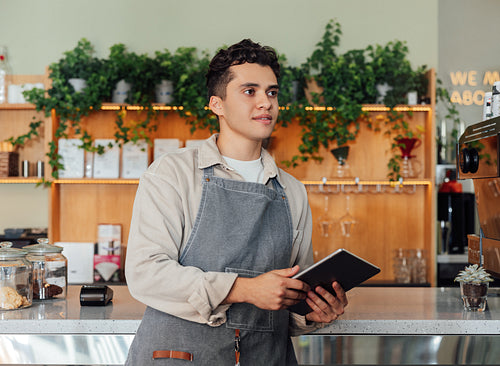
(37, 32)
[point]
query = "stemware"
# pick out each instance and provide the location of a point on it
(347, 221)
(325, 220)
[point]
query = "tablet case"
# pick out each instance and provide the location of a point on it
(342, 266)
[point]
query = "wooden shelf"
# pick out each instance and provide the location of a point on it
(359, 182)
(17, 107)
(384, 222)
(95, 181)
(20, 180)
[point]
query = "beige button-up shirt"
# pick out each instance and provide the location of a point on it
(164, 213)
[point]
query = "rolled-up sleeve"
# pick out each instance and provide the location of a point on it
(154, 275)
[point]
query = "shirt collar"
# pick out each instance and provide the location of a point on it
(209, 155)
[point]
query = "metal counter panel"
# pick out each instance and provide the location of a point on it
(378, 324)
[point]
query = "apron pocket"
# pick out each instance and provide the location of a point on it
(247, 316)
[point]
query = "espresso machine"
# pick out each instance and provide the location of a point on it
(478, 159)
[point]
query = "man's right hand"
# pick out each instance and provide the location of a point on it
(274, 290)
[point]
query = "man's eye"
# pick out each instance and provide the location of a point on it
(272, 93)
(249, 91)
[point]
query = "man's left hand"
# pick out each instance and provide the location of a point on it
(329, 309)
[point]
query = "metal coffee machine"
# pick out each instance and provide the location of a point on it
(478, 159)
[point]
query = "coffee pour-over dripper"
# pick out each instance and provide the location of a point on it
(410, 167)
(342, 169)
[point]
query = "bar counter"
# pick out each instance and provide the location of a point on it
(63, 332)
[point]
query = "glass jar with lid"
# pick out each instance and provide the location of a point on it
(50, 270)
(16, 289)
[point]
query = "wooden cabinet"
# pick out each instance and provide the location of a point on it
(387, 215)
(15, 120)
(78, 205)
(23, 204)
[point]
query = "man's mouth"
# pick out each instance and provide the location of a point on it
(265, 118)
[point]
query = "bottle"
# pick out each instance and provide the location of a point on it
(4, 71)
(487, 112)
(495, 99)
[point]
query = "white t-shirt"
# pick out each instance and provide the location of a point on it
(251, 171)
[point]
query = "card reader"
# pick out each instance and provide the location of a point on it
(95, 295)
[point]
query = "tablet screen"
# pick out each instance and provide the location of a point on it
(342, 266)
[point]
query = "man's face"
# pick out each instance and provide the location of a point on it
(250, 108)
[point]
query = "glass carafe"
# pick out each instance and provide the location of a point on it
(410, 167)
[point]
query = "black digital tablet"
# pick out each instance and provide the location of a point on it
(342, 266)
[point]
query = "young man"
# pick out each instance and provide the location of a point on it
(218, 232)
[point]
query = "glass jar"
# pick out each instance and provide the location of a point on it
(50, 270)
(16, 290)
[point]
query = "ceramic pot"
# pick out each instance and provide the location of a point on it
(165, 92)
(121, 92)
(382, 90)
(78, 84)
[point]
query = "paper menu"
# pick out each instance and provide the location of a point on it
(134, 159)
(107, 165)
(72, 157)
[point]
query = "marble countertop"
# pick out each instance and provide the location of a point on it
(371, 311)
(414, 311)
(121, 316)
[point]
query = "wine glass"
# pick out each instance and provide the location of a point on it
(347, 221)
(325, 220)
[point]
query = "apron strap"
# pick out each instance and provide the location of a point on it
(237, 346)
(173, 354)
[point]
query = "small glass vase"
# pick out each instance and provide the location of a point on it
(474, 295)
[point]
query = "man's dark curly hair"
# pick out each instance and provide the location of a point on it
(245, 51)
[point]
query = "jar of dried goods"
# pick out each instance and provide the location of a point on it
(16, 289)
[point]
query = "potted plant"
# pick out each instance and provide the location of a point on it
(78, 65)
(190, 90)
(393, 74)
(323, 54)
(474, 283)
(163, 73)
(342, 86)
(129, 74)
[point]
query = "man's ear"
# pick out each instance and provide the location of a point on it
(215, 105)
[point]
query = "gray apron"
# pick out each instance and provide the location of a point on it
(240, 227)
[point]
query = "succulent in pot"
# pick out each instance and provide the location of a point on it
(474, 283)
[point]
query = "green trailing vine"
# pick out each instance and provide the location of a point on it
(32, 132)
(347, 80)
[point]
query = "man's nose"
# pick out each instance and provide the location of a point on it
(263, 101)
